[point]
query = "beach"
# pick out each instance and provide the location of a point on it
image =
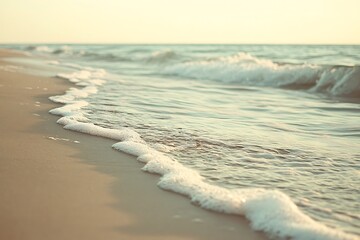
(179, 120)
(59, 184)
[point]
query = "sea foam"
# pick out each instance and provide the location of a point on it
(270, 211)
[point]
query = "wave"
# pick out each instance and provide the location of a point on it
(161, 56)
(107, 57)
(246, 69)
(240, 69)
(45, 49)
(156, 57)
(62, 50)
(270, 211)
(135, 55)
(67, 51)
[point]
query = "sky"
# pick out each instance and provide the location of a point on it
(180, 21)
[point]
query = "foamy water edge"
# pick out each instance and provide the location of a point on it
(270, 211)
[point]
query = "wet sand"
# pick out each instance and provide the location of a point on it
(59, 184)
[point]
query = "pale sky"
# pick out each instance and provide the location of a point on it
(180, 21)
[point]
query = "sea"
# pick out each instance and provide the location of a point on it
(269, 132)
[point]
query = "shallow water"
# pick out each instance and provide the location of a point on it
(243, 116)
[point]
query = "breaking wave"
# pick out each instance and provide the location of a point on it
(245, 69)
(241, 68)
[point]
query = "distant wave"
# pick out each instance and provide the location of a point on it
(58, 50)
(39, 49)
(246, 69)
(135, 55)
(161, 56)
(157, 57)
(108, 57)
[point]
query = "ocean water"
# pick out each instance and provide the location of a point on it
(271, 132)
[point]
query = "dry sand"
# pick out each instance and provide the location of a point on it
(58, 184)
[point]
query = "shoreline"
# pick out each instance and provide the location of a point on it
(59, 184)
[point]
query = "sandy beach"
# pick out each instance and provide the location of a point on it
(59, 184)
